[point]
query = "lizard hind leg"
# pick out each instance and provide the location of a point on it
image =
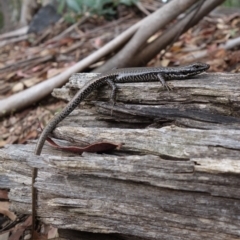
(163, 82)
(113, 93)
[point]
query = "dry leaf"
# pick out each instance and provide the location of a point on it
(3, 194)
(10, 75)
(18, 87)
(4, 209)
(30, 135)
(54, 71)
(31, 81)
(2, 143)
(165, 62)
(97, 147)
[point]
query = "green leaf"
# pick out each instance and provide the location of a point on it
(61, 6)
(74, 5)
(128, 2)
(68, 18)
(98, 7)
(109, 11)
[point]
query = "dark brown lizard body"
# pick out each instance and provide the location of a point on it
(124, 75)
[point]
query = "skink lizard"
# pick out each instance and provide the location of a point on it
(124, 75)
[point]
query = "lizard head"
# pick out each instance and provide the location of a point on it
(195, 68)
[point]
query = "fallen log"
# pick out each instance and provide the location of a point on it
(176, 176)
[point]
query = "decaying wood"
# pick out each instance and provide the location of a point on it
(177, 175)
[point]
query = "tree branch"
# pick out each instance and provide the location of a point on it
(163, 41)
(151, 25)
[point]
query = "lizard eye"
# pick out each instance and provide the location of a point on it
(197, 65)
(200, 66)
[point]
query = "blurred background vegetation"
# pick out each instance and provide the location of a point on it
(232, 3)
(75, 8)
(11, 10)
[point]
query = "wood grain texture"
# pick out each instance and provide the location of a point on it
(177, 175)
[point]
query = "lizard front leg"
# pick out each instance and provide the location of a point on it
(114, 91)
(163, 82)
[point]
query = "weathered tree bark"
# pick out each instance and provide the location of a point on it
(177, 175)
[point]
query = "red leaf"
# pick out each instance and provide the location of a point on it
(98, 147)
